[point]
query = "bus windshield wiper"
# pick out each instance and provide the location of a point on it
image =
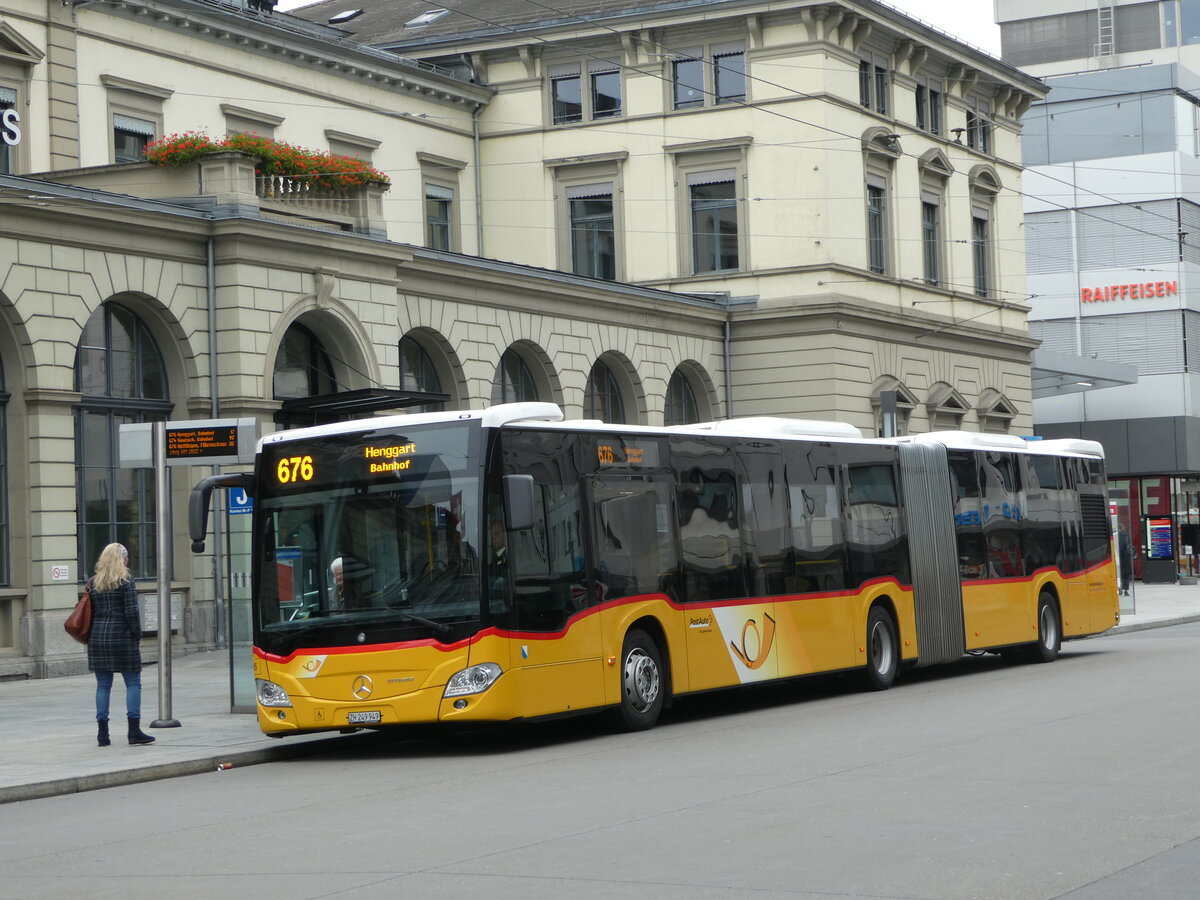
(438, 627)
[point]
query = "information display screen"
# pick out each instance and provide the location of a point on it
(201, 442)
(1159, 536)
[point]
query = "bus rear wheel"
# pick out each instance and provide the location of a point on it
(883, 650)
(1049, 640)
(642, 683)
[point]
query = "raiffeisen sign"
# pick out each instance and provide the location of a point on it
(10, 127)
(1142, 291)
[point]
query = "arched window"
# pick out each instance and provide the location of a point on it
(4, 568)
(302, 366)
(514, 380)
(120, 374)
(681, 408)
(417, 373)
(602, 396)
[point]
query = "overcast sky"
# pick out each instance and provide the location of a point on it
(967, 20)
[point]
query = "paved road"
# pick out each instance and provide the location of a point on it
(983, 779)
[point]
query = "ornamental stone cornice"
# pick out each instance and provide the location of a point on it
(303, 43)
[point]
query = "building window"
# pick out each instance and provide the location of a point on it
(873, 83)
(931, 242)
(593, 232)
(681, 407)
(303, 368)
(240, 120)
(130, 138)
(714, 211)
(514, 380)
(570, 104)
(729, 72)
(979, 129)
(707, 76)
(687, 80)
(877, 226)
(929, 106)
(602, 396)
(981, 252)
(439, 206)
(136, 114)
(418, 373)
(10, 130)
(120, 374)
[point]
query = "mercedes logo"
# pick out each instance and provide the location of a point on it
(362, 687)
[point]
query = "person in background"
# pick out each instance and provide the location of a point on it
(114, 645)
(1125, 558)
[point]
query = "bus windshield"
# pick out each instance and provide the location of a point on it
(368, 537)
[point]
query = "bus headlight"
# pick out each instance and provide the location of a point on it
(271, 694)
(472, 680)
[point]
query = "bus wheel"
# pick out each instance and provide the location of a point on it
(641, 682)
(1049, 633)
(883, 650)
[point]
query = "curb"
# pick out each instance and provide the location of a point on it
(1157, 623)
(60, 786)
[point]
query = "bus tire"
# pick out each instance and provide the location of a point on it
(883, 650)
(642, 682)
(1049, 630)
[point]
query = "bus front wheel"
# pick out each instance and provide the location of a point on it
(883, 650)
(1049, 632)
(641, 682)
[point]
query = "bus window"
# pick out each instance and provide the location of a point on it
(816, 520)
(710, 537)
(546, 562)
(1045, 506)
(635, 543)
(1001, 514)
(968, 523)
(764, 518)
(876, 543)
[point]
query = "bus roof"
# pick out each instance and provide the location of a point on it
(550, 414)
(971, 440)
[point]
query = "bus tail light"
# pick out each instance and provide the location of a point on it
(271, 694)
(472, 680)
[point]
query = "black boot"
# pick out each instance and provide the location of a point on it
(102, 732)
(136, 735)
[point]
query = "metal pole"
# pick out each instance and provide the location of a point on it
(163, 526)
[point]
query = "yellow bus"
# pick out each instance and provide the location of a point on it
(504, 564)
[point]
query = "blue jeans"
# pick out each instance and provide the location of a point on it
(133, 694)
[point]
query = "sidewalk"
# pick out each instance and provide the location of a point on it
(48, 733)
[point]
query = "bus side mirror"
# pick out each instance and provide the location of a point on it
(198, 503)
(518, 502)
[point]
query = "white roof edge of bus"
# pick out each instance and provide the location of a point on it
(493, 416)
(968, 440)
(759, 425)
(506, 413)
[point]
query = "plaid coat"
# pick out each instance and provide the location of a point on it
(114, 645)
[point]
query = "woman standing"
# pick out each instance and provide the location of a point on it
(114, 645)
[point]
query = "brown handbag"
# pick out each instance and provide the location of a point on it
(79, 622)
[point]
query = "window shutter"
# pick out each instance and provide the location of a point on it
(582, 191)
(133, 126)
(716, 176)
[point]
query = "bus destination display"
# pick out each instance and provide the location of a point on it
(626, 454)
(376, 461)
(196, 443)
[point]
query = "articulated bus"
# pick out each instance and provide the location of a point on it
(503, 564)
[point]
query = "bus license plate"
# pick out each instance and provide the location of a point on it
(368, 717)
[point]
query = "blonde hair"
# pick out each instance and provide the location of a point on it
(111, 569)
